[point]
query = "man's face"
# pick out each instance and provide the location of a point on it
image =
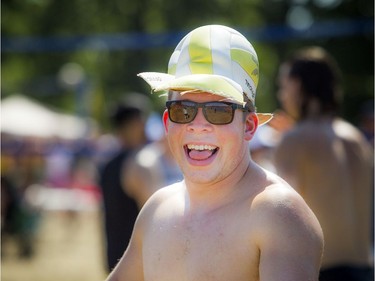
(205, 152)
(289, 93)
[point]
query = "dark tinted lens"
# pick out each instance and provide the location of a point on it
(218, 113)
(182, 111)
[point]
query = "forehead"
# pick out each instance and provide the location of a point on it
(198, 96)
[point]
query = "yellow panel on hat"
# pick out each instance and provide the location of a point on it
(200, 52)
(243, 58)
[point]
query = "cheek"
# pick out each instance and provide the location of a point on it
(289, 96)
(173, 135)
(234, 149)
(233, 135)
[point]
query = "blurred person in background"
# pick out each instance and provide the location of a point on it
(22, 165)
(121, 210)
(328, 161)
(152, 167)
(262, 146)
(18, 220)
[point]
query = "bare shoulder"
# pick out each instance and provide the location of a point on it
(346, 130)
(280, 209)
(287, 234)
(310, 130)
(170, 194)
(280, 199)
(350, 134)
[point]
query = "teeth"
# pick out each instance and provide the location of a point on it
(200, 147)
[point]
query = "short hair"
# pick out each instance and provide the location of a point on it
(124, 114)
(320, 80)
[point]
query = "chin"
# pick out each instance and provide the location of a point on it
(201, 177)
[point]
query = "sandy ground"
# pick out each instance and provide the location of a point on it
(68, 247)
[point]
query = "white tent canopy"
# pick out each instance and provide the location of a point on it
(25, 117)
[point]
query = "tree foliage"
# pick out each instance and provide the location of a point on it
(110, 74)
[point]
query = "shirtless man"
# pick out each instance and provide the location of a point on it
(152, 168)
(329, 162)
(229, 219)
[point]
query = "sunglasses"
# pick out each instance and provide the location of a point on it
(217, 113)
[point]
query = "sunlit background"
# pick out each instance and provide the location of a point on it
(64, 64)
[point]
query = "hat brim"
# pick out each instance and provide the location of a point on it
(264, 118)
(215, 84)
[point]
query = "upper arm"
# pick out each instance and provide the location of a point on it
(137, 182)
(290, 240)
(130, 266)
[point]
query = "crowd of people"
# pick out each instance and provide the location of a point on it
(224, 192)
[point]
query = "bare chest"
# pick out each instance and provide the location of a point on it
(209, 248)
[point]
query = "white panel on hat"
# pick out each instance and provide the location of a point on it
(220, 43)
(184, 58)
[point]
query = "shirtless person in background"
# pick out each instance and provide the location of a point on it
(329, 162)
(229, 219)
(152, 168)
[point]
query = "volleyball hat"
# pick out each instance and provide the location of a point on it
(215, 59)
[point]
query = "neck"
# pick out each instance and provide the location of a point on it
(210, 196)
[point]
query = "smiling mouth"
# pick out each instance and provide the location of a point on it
(200, 152)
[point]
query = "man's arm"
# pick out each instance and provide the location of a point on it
(137, 182)
(130, 266)
(290, 238)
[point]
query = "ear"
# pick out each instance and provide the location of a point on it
(165, 120)
(251, 125)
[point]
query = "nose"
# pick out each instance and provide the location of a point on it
(199, 124)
